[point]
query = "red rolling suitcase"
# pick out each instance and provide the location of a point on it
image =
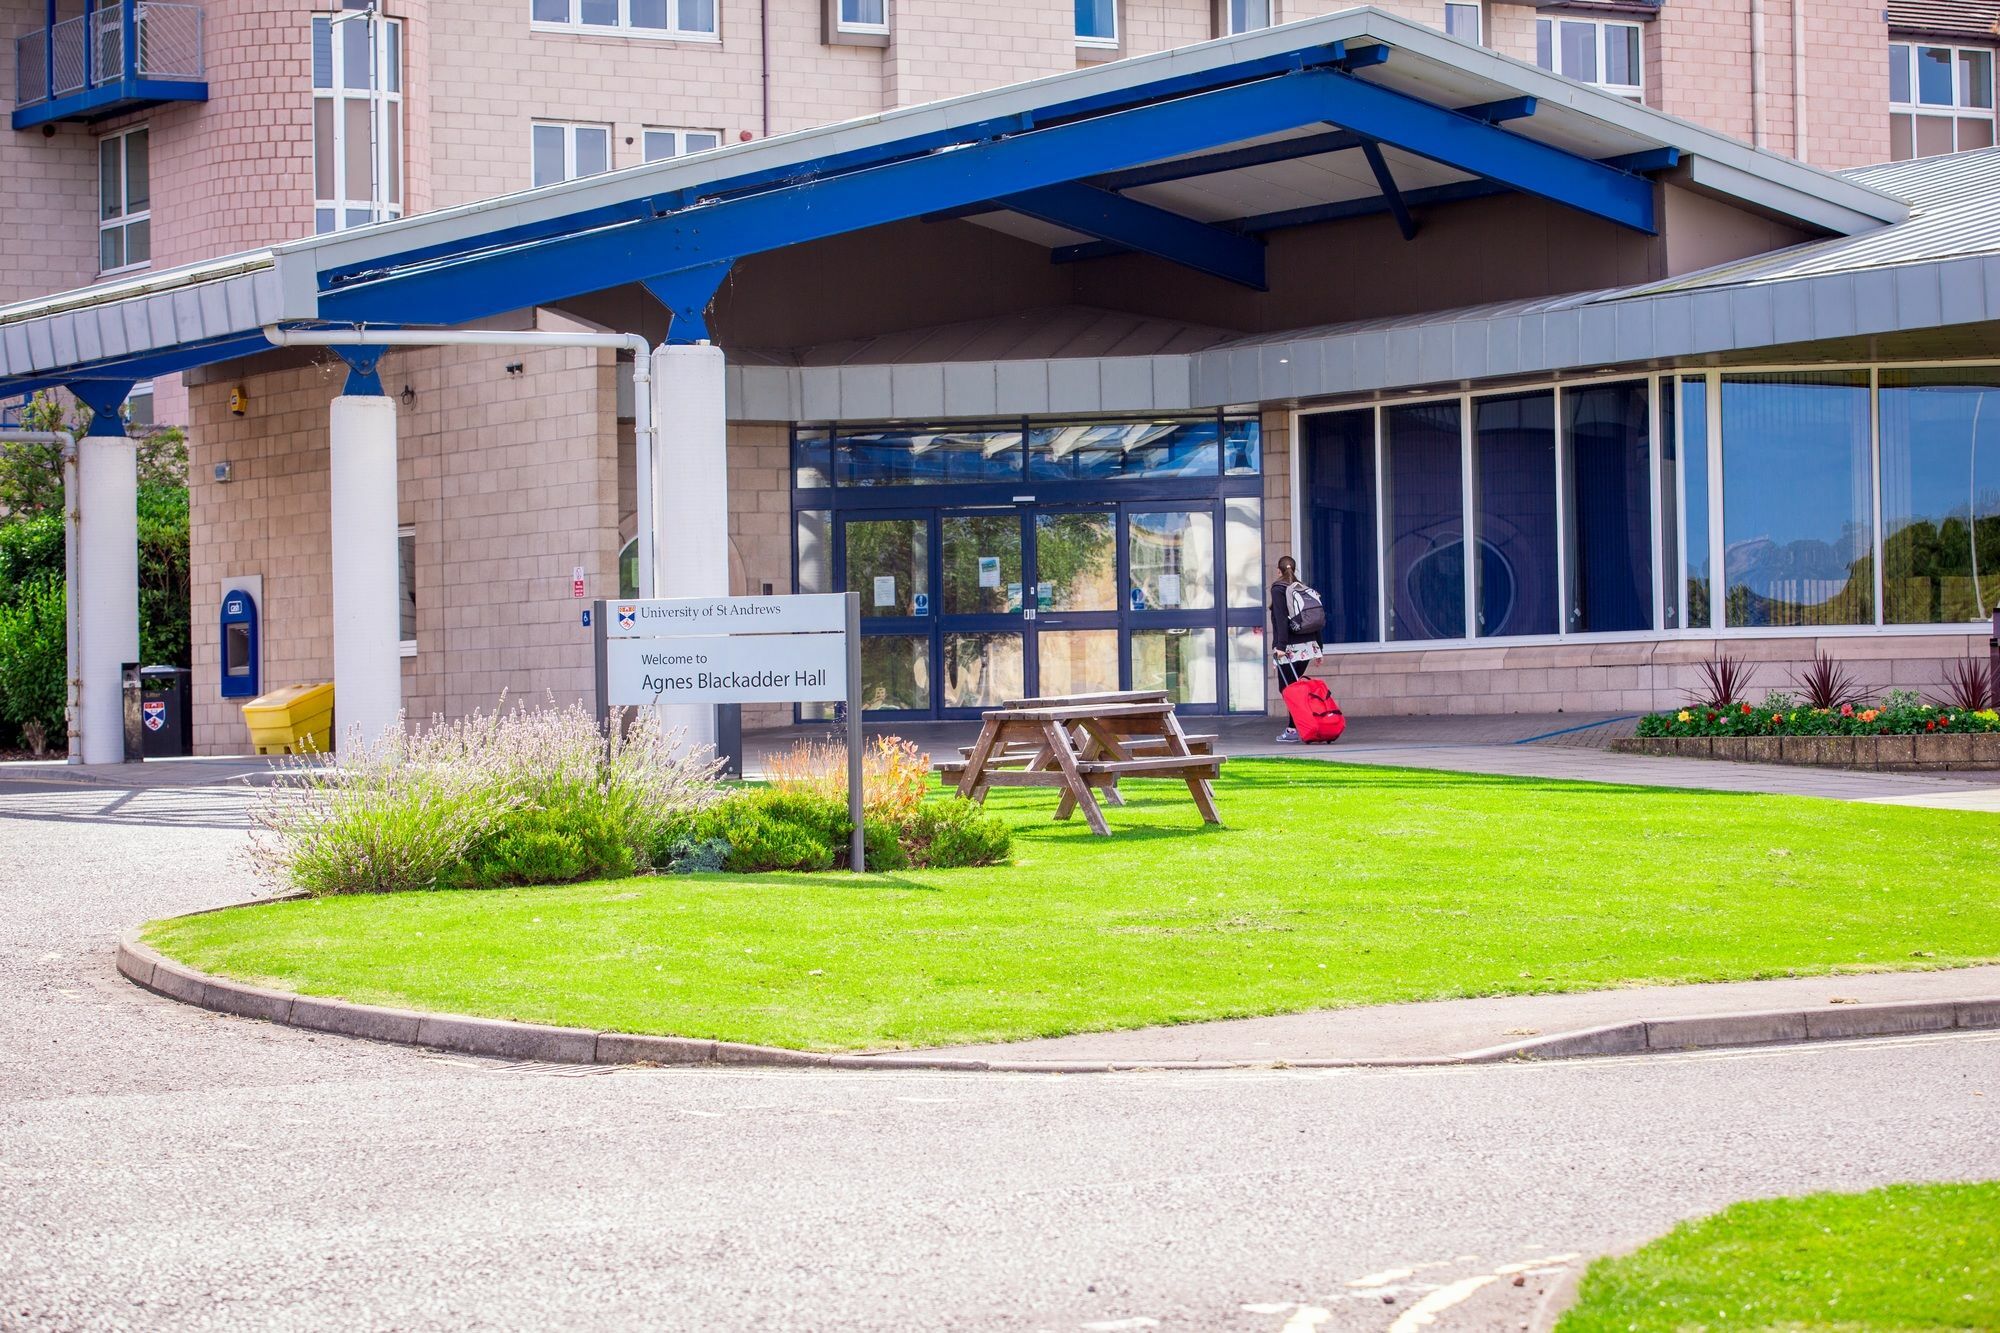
(1314, 713)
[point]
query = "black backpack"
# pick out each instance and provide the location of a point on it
(1306, 616)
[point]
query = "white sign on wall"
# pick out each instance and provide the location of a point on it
(663, 617)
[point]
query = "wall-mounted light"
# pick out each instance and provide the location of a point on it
(515, 367)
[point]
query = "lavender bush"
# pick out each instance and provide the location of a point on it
(516, 796)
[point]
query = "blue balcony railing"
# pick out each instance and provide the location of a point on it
(113, 57)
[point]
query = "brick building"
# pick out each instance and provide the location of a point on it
(154, 136)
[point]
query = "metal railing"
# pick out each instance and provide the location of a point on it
(87, 51)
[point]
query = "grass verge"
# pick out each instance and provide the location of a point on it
(1330, 885)
(1908, 1257)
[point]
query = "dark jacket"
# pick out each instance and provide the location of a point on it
(1281, 620)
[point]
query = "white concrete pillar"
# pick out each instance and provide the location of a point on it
(106, 586)
(367, 638)
(690, 492)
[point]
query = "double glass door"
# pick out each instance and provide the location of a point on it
(965, 607)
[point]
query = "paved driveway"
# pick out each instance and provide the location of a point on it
(166, 1168)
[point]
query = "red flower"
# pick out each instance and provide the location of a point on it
(1847, 710)
(1711, 717)
(1746, 710)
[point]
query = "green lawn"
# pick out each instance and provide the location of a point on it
(1331, 885)
(1908, 1257)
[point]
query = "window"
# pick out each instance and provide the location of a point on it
(1424, 506)
(1245, 15)
(1514, 514)
(1607, 445)
(873, 15)
(565, 152)
(406, 587)
(1940, 495)
(1462, 22)
(1096, 22)
(124, 202)
(1940, 99)
(139, 405)
(629, 18)
(1797, 500)
(357, 70)
(1337, 474)
(1606, 55)
(678, 143)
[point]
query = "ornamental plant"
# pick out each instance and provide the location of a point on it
(1900, 713)
(894, 775)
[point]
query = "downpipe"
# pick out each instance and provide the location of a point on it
(644, 437)
(72, 633)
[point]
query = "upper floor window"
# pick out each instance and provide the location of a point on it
(1462, 22)
(1097, 22)
(357, 70)
(630, 18)
(124, 201)
(677, 143)
(1940, 99)
(1246, 15)
(564, 151)
(1601, 53)
(864, 15)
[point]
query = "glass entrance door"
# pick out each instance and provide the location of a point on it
(1170, 586)
(1076, 586)
(983, 613)
(887, 559)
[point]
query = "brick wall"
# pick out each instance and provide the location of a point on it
(509, 481)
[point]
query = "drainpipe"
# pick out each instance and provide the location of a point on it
(72, 648)
(1758, 89)
(764, 56)
(1799, 79)
(644, 443)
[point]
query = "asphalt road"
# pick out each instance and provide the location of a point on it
(165, 1168)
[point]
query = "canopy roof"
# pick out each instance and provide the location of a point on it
(1190, 155)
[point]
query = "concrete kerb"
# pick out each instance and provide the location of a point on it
(506, 1040)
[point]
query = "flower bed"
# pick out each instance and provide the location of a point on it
(1899, 733)
(1893, 717)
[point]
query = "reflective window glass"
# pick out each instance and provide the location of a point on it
(981, 565)
(983, 670)
(1934, 78)
(1097, 20)
(1621, 54)
(1171, 554)
(1248, 664)
(1085, 451)
(889, 564)
(1424, 499)
(1514, 514)
(908, 456)
(406, 584)
(1975, 78)
(812, 460)
(1243, 539)
(863, 13)
(1693, 470)
(1899, 72)
(1796, 499)
(895, 672)
(813, 534)
(1076, 561)
(1579, 51)
(1462, 22)
(1242, 448)
(1337, 556)
(1607, 442)
(1076, 661)
(1940, 495)
(1179, 661)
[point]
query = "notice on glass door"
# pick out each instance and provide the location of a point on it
(989, 571)
(885, 590)
(1170, 590)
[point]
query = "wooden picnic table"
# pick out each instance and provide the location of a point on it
(1082, 744)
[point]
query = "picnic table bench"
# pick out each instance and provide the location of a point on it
(1082, 744)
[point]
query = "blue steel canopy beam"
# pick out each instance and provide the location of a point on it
(487, 282)
(687, 295)
(1391, 195)
(1141, 226)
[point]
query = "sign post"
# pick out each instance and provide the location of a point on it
(803, 648)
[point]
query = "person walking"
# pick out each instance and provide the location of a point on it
(1297, 619)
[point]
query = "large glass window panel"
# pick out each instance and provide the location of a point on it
(1621, 54)
(896, 672)
(812, 460)
(1249, 15)
(1077, 661)
(982, 564)
(911, 456)
(982, 670)
(1694, 454)
(863, 14)
(1179, 661)
(1243, 531)
(1337, 474)
(1425, 503)
(1579, 50)
(1545, 43)
(1940, 495)
(1975, 78)
(549, 162)
(650, 14)
(1514, 514)
(1248, 662)
(1076, 561)
(1088, 451)
(1899, 72)
(813, 532)
(1172, 558)
(889, 564)
(1796, 499)
(1462, 22)
(697, 15)
(1934, 79)
(1608, 447)
(1242, 448)
(355, 65)
(593, 150)
(1097, 20)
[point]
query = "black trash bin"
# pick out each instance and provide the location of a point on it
(164, 715)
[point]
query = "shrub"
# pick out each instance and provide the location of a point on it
(894, 774)
(883, 844)
(34, 657)
(513, 797)
(1969, 684)
(954, 832)
(1724, 682)
(760, 839)
(1827, 684)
